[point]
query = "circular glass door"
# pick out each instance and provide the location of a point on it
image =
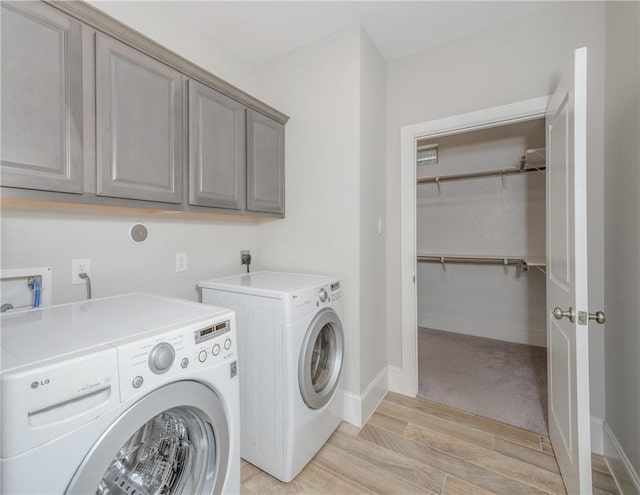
(321, 359)
(166, 455)
(173, 441)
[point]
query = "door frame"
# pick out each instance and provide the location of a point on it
(403, 379)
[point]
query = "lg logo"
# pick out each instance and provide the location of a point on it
(36, 384)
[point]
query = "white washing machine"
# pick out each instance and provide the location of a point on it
(130, 395)
(291, 348)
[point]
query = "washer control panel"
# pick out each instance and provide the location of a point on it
(154, 360)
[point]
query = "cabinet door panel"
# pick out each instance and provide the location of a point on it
(217, 149)
(138, 124)
(265, 164)
(41, 138)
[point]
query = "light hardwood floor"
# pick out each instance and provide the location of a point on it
(413, 446)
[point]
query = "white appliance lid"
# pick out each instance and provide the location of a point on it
(28, 337)
(268, 284)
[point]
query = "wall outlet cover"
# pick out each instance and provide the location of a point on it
(78, 266)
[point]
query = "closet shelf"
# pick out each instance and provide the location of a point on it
(532, 161)
(523, 263)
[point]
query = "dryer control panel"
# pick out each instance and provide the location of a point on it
(300, 303)
(156, 360)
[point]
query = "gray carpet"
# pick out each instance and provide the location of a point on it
(490, 378)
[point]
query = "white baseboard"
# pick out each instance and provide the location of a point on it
(621, 468)
(484, 329)
(399, 382)
(357, 409)
(597, 435)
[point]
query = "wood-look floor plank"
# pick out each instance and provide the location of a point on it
(387, 422)
(364, 473)
(381, 459)
(455, 486)
(255, 481)
(472, 435)
(324, 482)
(512, 433)
(525, 454)
(605, 482)
(598, 491)
(467, 471)
(547, 448)
(598, 464)
(489, 459)
(348, 428)
(388, 460)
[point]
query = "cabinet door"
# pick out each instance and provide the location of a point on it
(265, 164)
(41, 138)
(138, 124)
(217, 149)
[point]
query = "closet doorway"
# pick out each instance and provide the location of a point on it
(567, 310)
(404, 377)
(480, 279)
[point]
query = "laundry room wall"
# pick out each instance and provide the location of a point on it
(373, 335)
(317, 86)
(163, 23)
(331, 220)
(46, 236)
(510, 63)
(622, 243)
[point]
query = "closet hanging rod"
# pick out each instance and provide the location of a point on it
(519, 262)
(476, 175)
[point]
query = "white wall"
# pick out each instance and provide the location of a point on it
(511, 63)
(318, 87)
(333, 91)
(46, 236)
(373, 334)
(161, 22)
(622, 242)
(51, 237)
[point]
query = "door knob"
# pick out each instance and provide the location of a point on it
(598, 316)
(559, 314)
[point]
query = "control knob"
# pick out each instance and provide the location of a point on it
(323, 296)
(161, 358)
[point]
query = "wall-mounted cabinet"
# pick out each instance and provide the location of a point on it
(168, 135)
(217, 149)
(41, 139)
(265, 164)
(138, 125)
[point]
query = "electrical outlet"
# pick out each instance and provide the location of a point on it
(181, 262)
(245, 257)
(80, 265)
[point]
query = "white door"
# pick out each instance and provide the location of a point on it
(568, 339)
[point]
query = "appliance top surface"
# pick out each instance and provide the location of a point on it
(272, 284)
(32, 336)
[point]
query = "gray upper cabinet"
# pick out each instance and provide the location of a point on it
(265, 164)
(41, 72)
(217, 149)
(139, 124)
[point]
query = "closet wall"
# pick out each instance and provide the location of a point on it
(502, 216)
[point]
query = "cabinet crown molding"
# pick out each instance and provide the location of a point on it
(97, 19)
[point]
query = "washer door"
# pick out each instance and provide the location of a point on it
(321, 359)
(173, 441)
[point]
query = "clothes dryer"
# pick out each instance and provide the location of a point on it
(129, 395)
(291, 355)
